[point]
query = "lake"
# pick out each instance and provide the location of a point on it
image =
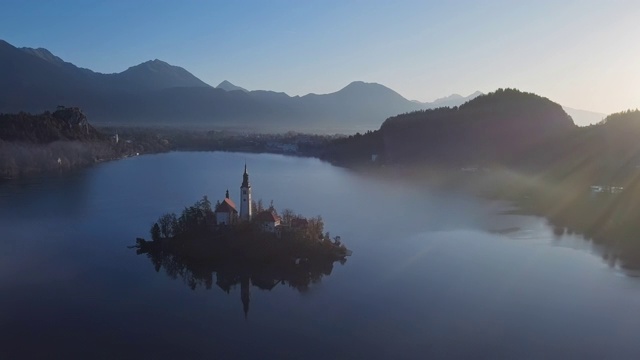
(433, 274)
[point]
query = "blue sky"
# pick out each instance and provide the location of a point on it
(582, 54)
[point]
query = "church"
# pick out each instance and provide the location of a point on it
(227, 213)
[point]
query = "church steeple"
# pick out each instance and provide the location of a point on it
(245, 197)
(245, 178)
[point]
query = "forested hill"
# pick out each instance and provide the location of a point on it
(525, 149)
(494, 128)
(64, 124)
(61, 140)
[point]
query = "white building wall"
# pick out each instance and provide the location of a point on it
(270, 226)
(245, 204)
(223, 218)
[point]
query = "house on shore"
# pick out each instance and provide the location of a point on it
(268, 221)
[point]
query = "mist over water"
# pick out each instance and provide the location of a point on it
(433, 274)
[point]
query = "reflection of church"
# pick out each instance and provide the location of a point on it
(296, 272)
(228, 275)
(226, 283)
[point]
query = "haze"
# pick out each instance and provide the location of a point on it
(581, 54)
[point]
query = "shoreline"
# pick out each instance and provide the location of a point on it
(529, 195)
(601, 218)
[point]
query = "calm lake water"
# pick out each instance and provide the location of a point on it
(433, 275)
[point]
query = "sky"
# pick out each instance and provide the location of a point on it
(582, 54)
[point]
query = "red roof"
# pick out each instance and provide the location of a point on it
(267, 216)
(226, 206)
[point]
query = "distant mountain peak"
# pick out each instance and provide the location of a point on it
(157, 92)
(228, 86)
(154, 65)
(158, 74)
(456, 97)
(453, 100)
(362, 87)
(44, 54)
(360, 84)
(450, 97)
(584, 117)
(158, 62)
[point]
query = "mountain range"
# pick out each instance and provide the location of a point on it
(157, 93)
(584, 117)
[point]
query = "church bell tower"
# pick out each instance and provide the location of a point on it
(245, 196)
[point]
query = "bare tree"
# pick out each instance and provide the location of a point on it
(287, 215)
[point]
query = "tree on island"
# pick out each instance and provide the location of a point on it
(195, 233)
(155, 232)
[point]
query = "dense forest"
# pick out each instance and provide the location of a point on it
(521, 147)
(297, 236)
(64, 139)
(497, 127)
(61, 140)
(506, 128)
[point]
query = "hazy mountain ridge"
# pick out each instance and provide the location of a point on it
(149, 75)
(228, 86)
(44, 54)
(450, 101)
(584, 117)
(157, 75)
(157, 93)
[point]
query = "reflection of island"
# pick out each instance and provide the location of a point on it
(240, 248)
(298, 274)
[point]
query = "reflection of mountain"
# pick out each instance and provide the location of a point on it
(299, 275)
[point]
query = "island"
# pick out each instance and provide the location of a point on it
(249, 245)
(249, 233)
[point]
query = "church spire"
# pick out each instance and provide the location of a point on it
(245, 178)
(245, 197)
